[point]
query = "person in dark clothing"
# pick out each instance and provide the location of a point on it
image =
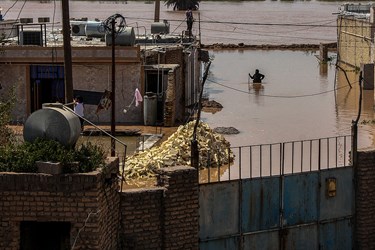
(189, 20)
(257, 77)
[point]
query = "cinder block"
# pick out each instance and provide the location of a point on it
(49, 167)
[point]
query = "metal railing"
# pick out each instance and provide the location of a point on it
(122, 158)
(278, 159)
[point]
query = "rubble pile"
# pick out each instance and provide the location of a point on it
(214, 150)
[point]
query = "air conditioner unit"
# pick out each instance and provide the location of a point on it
(26, 20)
(43, 19)
(78, 28)
(31, 37)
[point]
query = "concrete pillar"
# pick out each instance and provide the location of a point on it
(323, 55)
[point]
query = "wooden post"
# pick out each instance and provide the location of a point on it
(67, 52)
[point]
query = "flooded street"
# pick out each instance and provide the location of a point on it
(297, 100)
(249, 22)
(300, 100)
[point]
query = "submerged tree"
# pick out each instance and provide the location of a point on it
(183, 4)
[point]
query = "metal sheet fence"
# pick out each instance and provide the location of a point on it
(291, 211)
(281, 158)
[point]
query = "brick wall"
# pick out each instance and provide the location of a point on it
(165, 217)
(89, 202)
(365, 200)
(141, 211)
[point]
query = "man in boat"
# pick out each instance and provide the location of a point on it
(257, 77)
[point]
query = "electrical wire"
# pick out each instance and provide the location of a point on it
(255, 23)
(19, 13)
(10, 8)
(276, 96)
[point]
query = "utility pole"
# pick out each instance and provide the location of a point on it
(67, 52)
(113, 109)
(157, 11)
(194, 142)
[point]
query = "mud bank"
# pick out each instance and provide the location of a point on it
(330, 46)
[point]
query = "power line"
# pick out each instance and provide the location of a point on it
(310, 24)
(277, 96)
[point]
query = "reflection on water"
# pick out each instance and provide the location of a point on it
(131, 142)
(300, 100)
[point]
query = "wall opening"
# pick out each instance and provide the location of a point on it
(45, 235)
(47, 85)
(157, 82)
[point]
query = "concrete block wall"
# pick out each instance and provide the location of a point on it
(85, 201)
(365, 200)
(354, 41)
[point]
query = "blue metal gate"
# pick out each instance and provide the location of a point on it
(305, 210)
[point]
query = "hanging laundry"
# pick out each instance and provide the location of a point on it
(105, 101)
(138, 97)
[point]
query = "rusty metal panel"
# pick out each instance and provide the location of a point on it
(336, 235)
(218, 209)
(262, 241)
(220, 244)
(301, 237)
(300, 199)
(339, 203)
(260, 204)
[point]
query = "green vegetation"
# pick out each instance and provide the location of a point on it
(183, 4)
(7, 100)
(22, 158)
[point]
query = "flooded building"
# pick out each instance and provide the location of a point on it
(355, 31)
(163, 69)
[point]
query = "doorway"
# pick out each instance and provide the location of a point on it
(45, 235)
(157, 82)
(47, 85)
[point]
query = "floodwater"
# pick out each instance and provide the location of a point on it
(249, 22)
(298, 100)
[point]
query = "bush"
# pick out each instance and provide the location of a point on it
(7, 101)
(23, 158)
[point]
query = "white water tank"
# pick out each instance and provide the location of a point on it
(94, 29)
(125, 38)
(160, 27)
(53, 122)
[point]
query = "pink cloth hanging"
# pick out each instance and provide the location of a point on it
(138, 97)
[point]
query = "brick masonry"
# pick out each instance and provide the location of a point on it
(365, 200)
(89, 202)
(165, 217)
(101, 217)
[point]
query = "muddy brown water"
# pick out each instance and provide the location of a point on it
(297, 100)
(249, 22)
